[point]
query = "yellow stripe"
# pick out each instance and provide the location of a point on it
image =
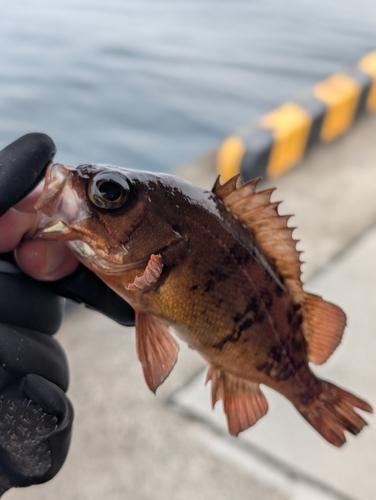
(229, 158)
(341, 94)
(368, 65)
(290, 125)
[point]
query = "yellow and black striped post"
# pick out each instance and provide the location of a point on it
(282, 137)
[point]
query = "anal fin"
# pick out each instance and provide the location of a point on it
(243, 401)
(156, 349)
(323, 325)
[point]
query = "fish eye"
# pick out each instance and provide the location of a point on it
(109, 190)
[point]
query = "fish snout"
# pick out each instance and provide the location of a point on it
(59, 205)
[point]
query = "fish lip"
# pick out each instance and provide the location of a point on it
(112, 268)
(59, 201)
(47, 228)
(88, 255)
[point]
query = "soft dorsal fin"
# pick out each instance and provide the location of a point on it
(156, 348)
(323, 325)
(323, 322)
(243, 401)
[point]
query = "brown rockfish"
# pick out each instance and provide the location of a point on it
(218, 266)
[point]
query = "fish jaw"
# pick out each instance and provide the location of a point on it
(59, 206)
(89, 257)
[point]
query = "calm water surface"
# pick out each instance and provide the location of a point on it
(150, 84)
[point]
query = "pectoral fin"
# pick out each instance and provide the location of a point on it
(151, 274)
(243, 401)
(156, 348)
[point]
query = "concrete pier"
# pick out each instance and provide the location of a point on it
(128, 443)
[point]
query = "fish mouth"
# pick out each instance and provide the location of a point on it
(59, 204)
(84, 252)
(47, 227)
(55, 180)
(88, 256)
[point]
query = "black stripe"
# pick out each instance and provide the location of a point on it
(316, 109)
(256, 157)
(365, 82)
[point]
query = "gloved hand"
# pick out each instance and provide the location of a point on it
(35, 414)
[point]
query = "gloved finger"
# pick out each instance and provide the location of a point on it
(49, 396)
(24, 430)
(22, 165)
(84, 286)
(54, 402)
(35, 428)
(27, 303)
(25, 351)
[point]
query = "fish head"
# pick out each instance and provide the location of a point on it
(111, 218)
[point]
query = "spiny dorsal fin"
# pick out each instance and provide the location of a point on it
(222, 190)
(243, 401)
(260, 216)
(156, 348)
(323, 323)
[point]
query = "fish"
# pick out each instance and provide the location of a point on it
(221, 268)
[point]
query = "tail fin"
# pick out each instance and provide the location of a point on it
(333, 413)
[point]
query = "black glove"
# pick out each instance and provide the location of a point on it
(35, 414)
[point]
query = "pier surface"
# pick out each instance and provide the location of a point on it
(128, 443)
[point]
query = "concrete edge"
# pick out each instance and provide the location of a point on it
(262, 460)
(283, 137)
